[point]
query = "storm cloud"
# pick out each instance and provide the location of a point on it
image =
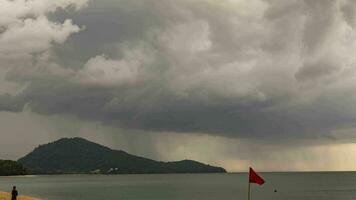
(243, 69)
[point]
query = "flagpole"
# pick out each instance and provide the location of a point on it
(253, 177)
(249, 191)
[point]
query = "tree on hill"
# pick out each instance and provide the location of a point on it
(10, 168)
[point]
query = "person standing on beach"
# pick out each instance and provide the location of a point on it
(14, 193)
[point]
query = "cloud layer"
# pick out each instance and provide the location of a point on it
(244, 69)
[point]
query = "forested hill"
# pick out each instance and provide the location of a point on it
(77, 155)
(9, 167)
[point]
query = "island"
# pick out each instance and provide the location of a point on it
(78, 155)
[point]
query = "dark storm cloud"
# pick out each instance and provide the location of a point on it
(248, 69)
(156, 110)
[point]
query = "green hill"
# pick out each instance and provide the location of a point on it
(77, 155)
(10, 168)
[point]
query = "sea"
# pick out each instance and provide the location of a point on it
(230, 186)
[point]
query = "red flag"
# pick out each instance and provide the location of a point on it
(255, 178)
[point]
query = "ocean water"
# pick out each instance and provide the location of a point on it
(233, 186)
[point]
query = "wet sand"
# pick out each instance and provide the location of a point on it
(7, 196)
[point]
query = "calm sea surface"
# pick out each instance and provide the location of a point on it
(289, 186)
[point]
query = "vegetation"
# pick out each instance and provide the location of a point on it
(77, 155)
(9, 168)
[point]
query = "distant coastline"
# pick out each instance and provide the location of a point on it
(80, 156)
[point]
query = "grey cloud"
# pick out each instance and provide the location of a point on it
(11, 104)
(318, 69)
(153, 110)
(348, 9)
(224, 68)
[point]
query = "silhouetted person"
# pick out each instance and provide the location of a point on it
(14, 193)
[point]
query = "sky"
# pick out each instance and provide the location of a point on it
(234, 83)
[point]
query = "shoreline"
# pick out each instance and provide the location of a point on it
(60, 174)
(7, 196)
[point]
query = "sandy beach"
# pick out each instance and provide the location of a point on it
(7, 196)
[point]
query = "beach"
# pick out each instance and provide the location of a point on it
(7, 196)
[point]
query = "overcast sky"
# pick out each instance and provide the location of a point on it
(266, 83)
